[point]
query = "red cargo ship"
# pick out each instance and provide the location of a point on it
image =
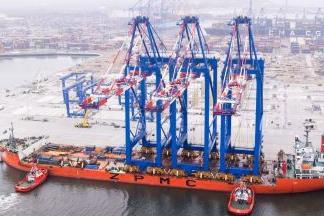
(280, 186)
(300, 172)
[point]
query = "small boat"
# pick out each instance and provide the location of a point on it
(241, 201)
(34, 178)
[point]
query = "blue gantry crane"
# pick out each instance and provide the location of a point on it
(75, 85)
(241, 67)
(187, 62)
(150, 62)
(173, 74)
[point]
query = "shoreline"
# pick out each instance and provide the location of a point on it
(11, 55)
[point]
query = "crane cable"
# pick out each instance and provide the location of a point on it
(246, 99)
(177, 57)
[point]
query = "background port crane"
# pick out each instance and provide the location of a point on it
(141, 40)
(241, 66)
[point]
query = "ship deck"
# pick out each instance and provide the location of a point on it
(280, 186)
(112, 158)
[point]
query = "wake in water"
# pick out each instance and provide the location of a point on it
(8, 201)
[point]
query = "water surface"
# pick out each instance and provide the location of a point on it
(18, 71)
(66, 197)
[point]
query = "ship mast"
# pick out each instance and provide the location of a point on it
(309, 125)
(12, 141)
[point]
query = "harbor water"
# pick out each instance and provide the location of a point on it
(17, 71)
(69, 197)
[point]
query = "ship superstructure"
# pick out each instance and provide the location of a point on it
(308, 161)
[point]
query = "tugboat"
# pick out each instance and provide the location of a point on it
(34, 178)
(241, 201)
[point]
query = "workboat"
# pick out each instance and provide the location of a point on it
(34, 178)
(241, 201)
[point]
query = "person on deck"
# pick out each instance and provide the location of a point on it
(284, 168)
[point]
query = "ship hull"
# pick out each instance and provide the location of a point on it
(282, 185)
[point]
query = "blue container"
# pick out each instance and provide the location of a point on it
(101, 157)
(119, 150)
(47, 160)
(120, 159)
(89, 148)
(92, 166)
(109, 149)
